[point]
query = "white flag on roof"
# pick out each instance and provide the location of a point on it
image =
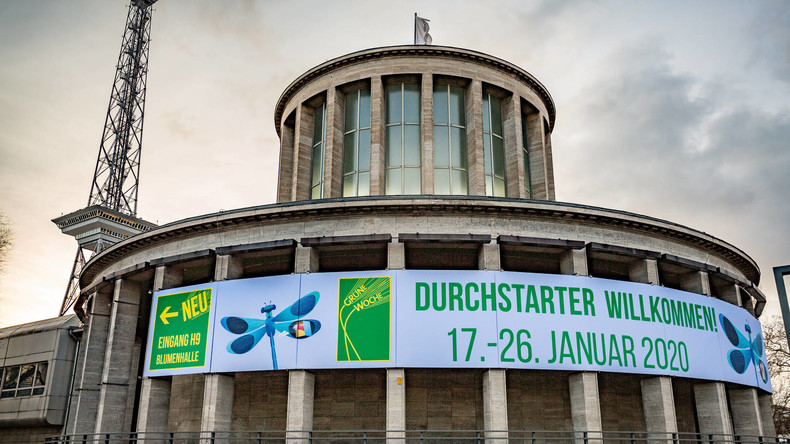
(421, 28)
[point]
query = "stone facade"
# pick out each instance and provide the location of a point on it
(336, 233)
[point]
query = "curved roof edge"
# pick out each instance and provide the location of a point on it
(384, 51)
(511, 205)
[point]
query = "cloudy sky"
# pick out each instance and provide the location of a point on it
(673, 109)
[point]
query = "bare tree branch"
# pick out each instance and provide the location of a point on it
(6, 240)
(778, 355)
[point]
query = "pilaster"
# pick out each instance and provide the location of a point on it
(301, 391)
(377, 128)
(474, 138)
(713, 415)
(495, 405)
(396, 405)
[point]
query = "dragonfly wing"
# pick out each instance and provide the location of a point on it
(301, 307)
(735, 337)
(304, 328)
(739, 360)
(757, 345)
(245, 343)
(237, 325)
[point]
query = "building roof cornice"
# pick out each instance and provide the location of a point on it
(413, 50)
(418, 204)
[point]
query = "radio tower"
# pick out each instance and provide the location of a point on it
(112, 204)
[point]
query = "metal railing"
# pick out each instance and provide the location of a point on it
(410, 437)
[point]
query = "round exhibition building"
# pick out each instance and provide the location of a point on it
(415, 280)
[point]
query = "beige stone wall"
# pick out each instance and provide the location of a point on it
(446, 399)
(186, 403)
(260, 400)
(621, 402)
(350, 400)
(683, 390)
(538, 400)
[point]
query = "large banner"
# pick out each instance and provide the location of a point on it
(483, 319)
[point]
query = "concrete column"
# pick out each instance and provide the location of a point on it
(396, 256)
(167, 277)
(537, 169)
(306, 260)
(549, 164)
(301, 389)
(303, 140)
(333, 149)
(712, 412)
(746, 418)
(696, 282)
(658, 404)
(489, 257)
(396, 405)
(227, 267)
(585, 403)
(644, 271)
(574, 262)
(217, 403)
(426, 128)
(767, 414)
(495, 405)
(118, 371)
(378, 167)
(92, 352)
(154, 405)
(747, 303)
(285, 172)
(474, 139)
(514, 145)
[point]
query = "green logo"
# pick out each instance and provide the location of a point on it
(363, 321)
(181, 330)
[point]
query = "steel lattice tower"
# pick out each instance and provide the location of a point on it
(112, 203)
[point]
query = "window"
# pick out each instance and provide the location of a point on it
(356, 144)
(317, 159)
(23, 380)
(403, 140)
(449, 140)
(493, 146)
(525, 150)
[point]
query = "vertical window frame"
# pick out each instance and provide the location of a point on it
(322, 151)
(490, 135)
(449, 128)
(402, 124)
(356, 171)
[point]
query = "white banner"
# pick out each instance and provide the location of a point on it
(482, 319)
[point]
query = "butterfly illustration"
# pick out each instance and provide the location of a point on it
(253, 329)
(747, 351)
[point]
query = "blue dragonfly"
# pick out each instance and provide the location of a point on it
(253, 329)
(747, 351)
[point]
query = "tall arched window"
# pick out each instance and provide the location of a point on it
(403, 139)
(356, 144)
(317, 160)
(493, 146)
(449, 140)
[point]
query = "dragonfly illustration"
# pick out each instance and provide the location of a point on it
(748, 350)
(252, 329)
